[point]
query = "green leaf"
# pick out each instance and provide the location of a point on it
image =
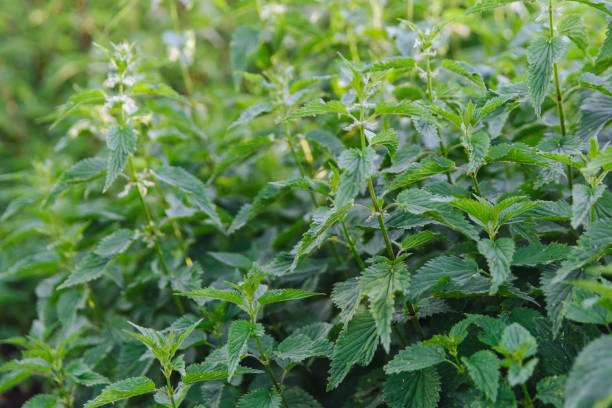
(232, 259)
(573, 27)
(159, 89)
(121, 390)
(499, 255)
(486, 5)
(478, 147)
(237, 337)
(416, 357)
(186, 182)
(251, 113)
(441, 270)
(516, 153)
(596, 112)
(326, 139)
(398, 63)
(319, 108)
(404, 108)
(387, 138)
(345, 296)
(261, 398)
(13, 378)
(283, 295)
(483, 368)
(605, 51)
(356, 344)
(429, 167)
(551, 390)
(584, 197)
(590, 380)
(359, 165)
(298, 398)
(517, 340)
(210, 293)
(115, 243)
(245, 41)
(467, 71)
(80, 172)
(238, 152)
(420, 389)
(41, 401)
(121, 141)
(542, 54)
(91, 267)
(421, 238)
(378, 283)
(601, 5)
(539, 254)
(556, 295)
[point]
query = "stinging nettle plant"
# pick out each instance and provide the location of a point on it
(357, 204)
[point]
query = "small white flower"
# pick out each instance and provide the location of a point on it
(127, 104)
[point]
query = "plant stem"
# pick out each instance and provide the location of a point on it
(170, 390)
(415, 321)
(570, 175)
(476, 186)
(351, 245)
(151, 225)
(266, 364)
(528, 401)
(297, 159)
(431, 99)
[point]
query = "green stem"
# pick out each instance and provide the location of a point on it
(431, 98)
(528, 401)
(170, 390)
(351, 245)
(415, 321)
(476, 186)
(297, 159)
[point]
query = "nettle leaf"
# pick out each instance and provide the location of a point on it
(416, 357)
(478, 147)
(89, 268)
(542, 54)
(42, 401)
(483, 368)
(590, 380)
(427, 168)
(596, 112)
(467, 71)
(551, 390)
(261, 398)
(210, 293)
(359, 165)
(232, 259)
(387, 138)
(420, 239)
(326, 139)
(251, 113)
(121, 141)
(356, 344)
(516, 153)
(601, 5)
(573, 27)
(398, 63)
(121, 390)
(404, 108)
(540, 254)
(319, 108)
(378, 283)
(420, 389)
(605, 51)
(486, 5)
(238, 152)
(81, 172)
(441, 270)
(584, 198)
(237, 338)
(283, 295)
(345, 296)
(499, 255)
(115, 243)
(185, 181)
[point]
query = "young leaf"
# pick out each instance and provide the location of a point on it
(355, 345)
(261, 398)
(359, 166)
(478, 148)
(416, 357)
(210, 293)
(483, 368)
(541, 54)
(420, 389)
(121, 390)
(387, 138)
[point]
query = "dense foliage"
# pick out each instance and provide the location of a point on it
(305, 204)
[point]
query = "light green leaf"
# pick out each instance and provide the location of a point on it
(601, 5)
(261, 398)
(41, 401)
(443, 269)
(80, 172)
(483, 368)
(420, 389)
(596, 112)
(590, 381)
(478, 148)
(517, 340)
(121, 390)
(282, 295)
(541, 54)
(319, 108)
(89, 268)
(573, 27)
(427, 168)
(486, 5)
(387, 138)
(404, 108)
(186, 182)
(398, 63)
(539, 254)
(467, 71)
(421, 238)
(121, 141)
(551, 390)
(345, 296)
(605, 51)
(251, 113)
(416, 357)
(210, 293)
(356, 345)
